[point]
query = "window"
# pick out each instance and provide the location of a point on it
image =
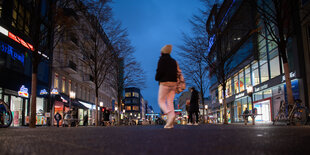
(247, 76)
(220, 93)
(0, 8)
(21, 17)
(128, 94)
(255, 74)
(56, 82)
(236, 85)
(228, 88)
(136, 108)
(267, 93)
(63, 85)
(128, 108)
(135, 94)
(241, 81)
(274, 67)
(69, 86)
(264, 69)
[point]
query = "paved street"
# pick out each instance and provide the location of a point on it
(203, 139)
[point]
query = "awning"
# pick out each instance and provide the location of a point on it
(66, 100)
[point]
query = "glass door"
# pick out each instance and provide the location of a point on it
(17, 110)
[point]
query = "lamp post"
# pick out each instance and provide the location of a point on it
(221, 102)
(72, 97)
(249, 90)
(206, 107)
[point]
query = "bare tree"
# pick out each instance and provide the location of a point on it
(128, 72)
(95, 48)
(193, 64)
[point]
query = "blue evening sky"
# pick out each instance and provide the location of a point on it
(151, 25)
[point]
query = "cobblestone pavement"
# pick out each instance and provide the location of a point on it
(145, 140)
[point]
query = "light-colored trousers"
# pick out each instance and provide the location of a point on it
(165, 98)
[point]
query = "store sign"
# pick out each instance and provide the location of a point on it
(4, 31)
(54, 92)
(240, 95)
(43, 92)
(261, 88)
(5, 48)
(23, 92)
(292, 75)
(20, 41)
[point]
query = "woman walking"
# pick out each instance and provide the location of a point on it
(166, 75)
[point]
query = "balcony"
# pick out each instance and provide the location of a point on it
(88, 78)
(71, 68)
(70, 42)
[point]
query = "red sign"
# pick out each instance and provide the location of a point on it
(21, 41)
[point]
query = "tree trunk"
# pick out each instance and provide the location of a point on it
(96, 102)
(203, 107)
(32, 123)
(225, 111)
(288, 84)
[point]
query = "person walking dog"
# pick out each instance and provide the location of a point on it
(167, 76)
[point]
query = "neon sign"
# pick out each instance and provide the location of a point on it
(54, 92)
(12, 52)
(43, 92)
(23, 92)
(21, 41)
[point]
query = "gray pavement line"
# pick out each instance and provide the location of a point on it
(66, 143)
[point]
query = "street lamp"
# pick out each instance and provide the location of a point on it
(221, 101)
(249, 90)
(101, 104)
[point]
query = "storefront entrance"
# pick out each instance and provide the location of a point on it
(263, 108)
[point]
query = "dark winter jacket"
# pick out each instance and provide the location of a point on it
(166, 69)
(194, 106)
(57, 117)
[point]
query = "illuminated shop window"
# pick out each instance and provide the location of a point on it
(241, 81)
(236, 85)
(275, 67)
(247, 76)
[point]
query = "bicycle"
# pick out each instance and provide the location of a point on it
(5, 115)
(296, 115)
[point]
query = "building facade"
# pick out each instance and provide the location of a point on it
(134, 103)
(16, 47)
(70, 73)
(256, 63)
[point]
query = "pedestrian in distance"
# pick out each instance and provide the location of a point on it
(194, 106)
(57, 118)
(246, 116)
(166, 75)
(85, 123)
(187, 110)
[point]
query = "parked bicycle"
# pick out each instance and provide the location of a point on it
(5, 115)
(296, 115)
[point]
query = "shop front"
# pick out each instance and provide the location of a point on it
(268, 97)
